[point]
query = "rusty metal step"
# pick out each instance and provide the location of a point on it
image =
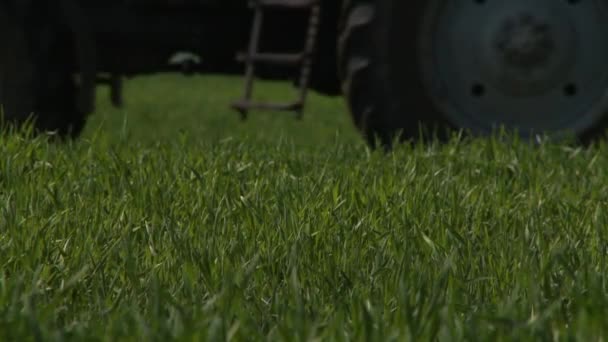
(245, 105)
(288, 4)
(303, 59)
(287, 59)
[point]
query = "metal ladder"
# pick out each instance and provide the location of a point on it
(303, 59)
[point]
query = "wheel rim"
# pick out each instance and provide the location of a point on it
(528, 65)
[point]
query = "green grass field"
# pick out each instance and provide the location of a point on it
(171, 219)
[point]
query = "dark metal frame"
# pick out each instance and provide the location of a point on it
(132, 37)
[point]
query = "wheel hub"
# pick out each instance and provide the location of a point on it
(526, 50)
(530, 65)
(524, 41)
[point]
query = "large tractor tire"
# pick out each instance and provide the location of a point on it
(36, 82)
(532, 67)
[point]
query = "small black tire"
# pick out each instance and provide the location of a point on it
(36, 80)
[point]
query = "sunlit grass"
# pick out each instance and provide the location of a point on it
(155, 230)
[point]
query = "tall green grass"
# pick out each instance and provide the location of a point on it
(128, 236)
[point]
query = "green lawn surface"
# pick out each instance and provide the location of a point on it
(170, 219)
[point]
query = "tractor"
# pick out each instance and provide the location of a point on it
(404, 67)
